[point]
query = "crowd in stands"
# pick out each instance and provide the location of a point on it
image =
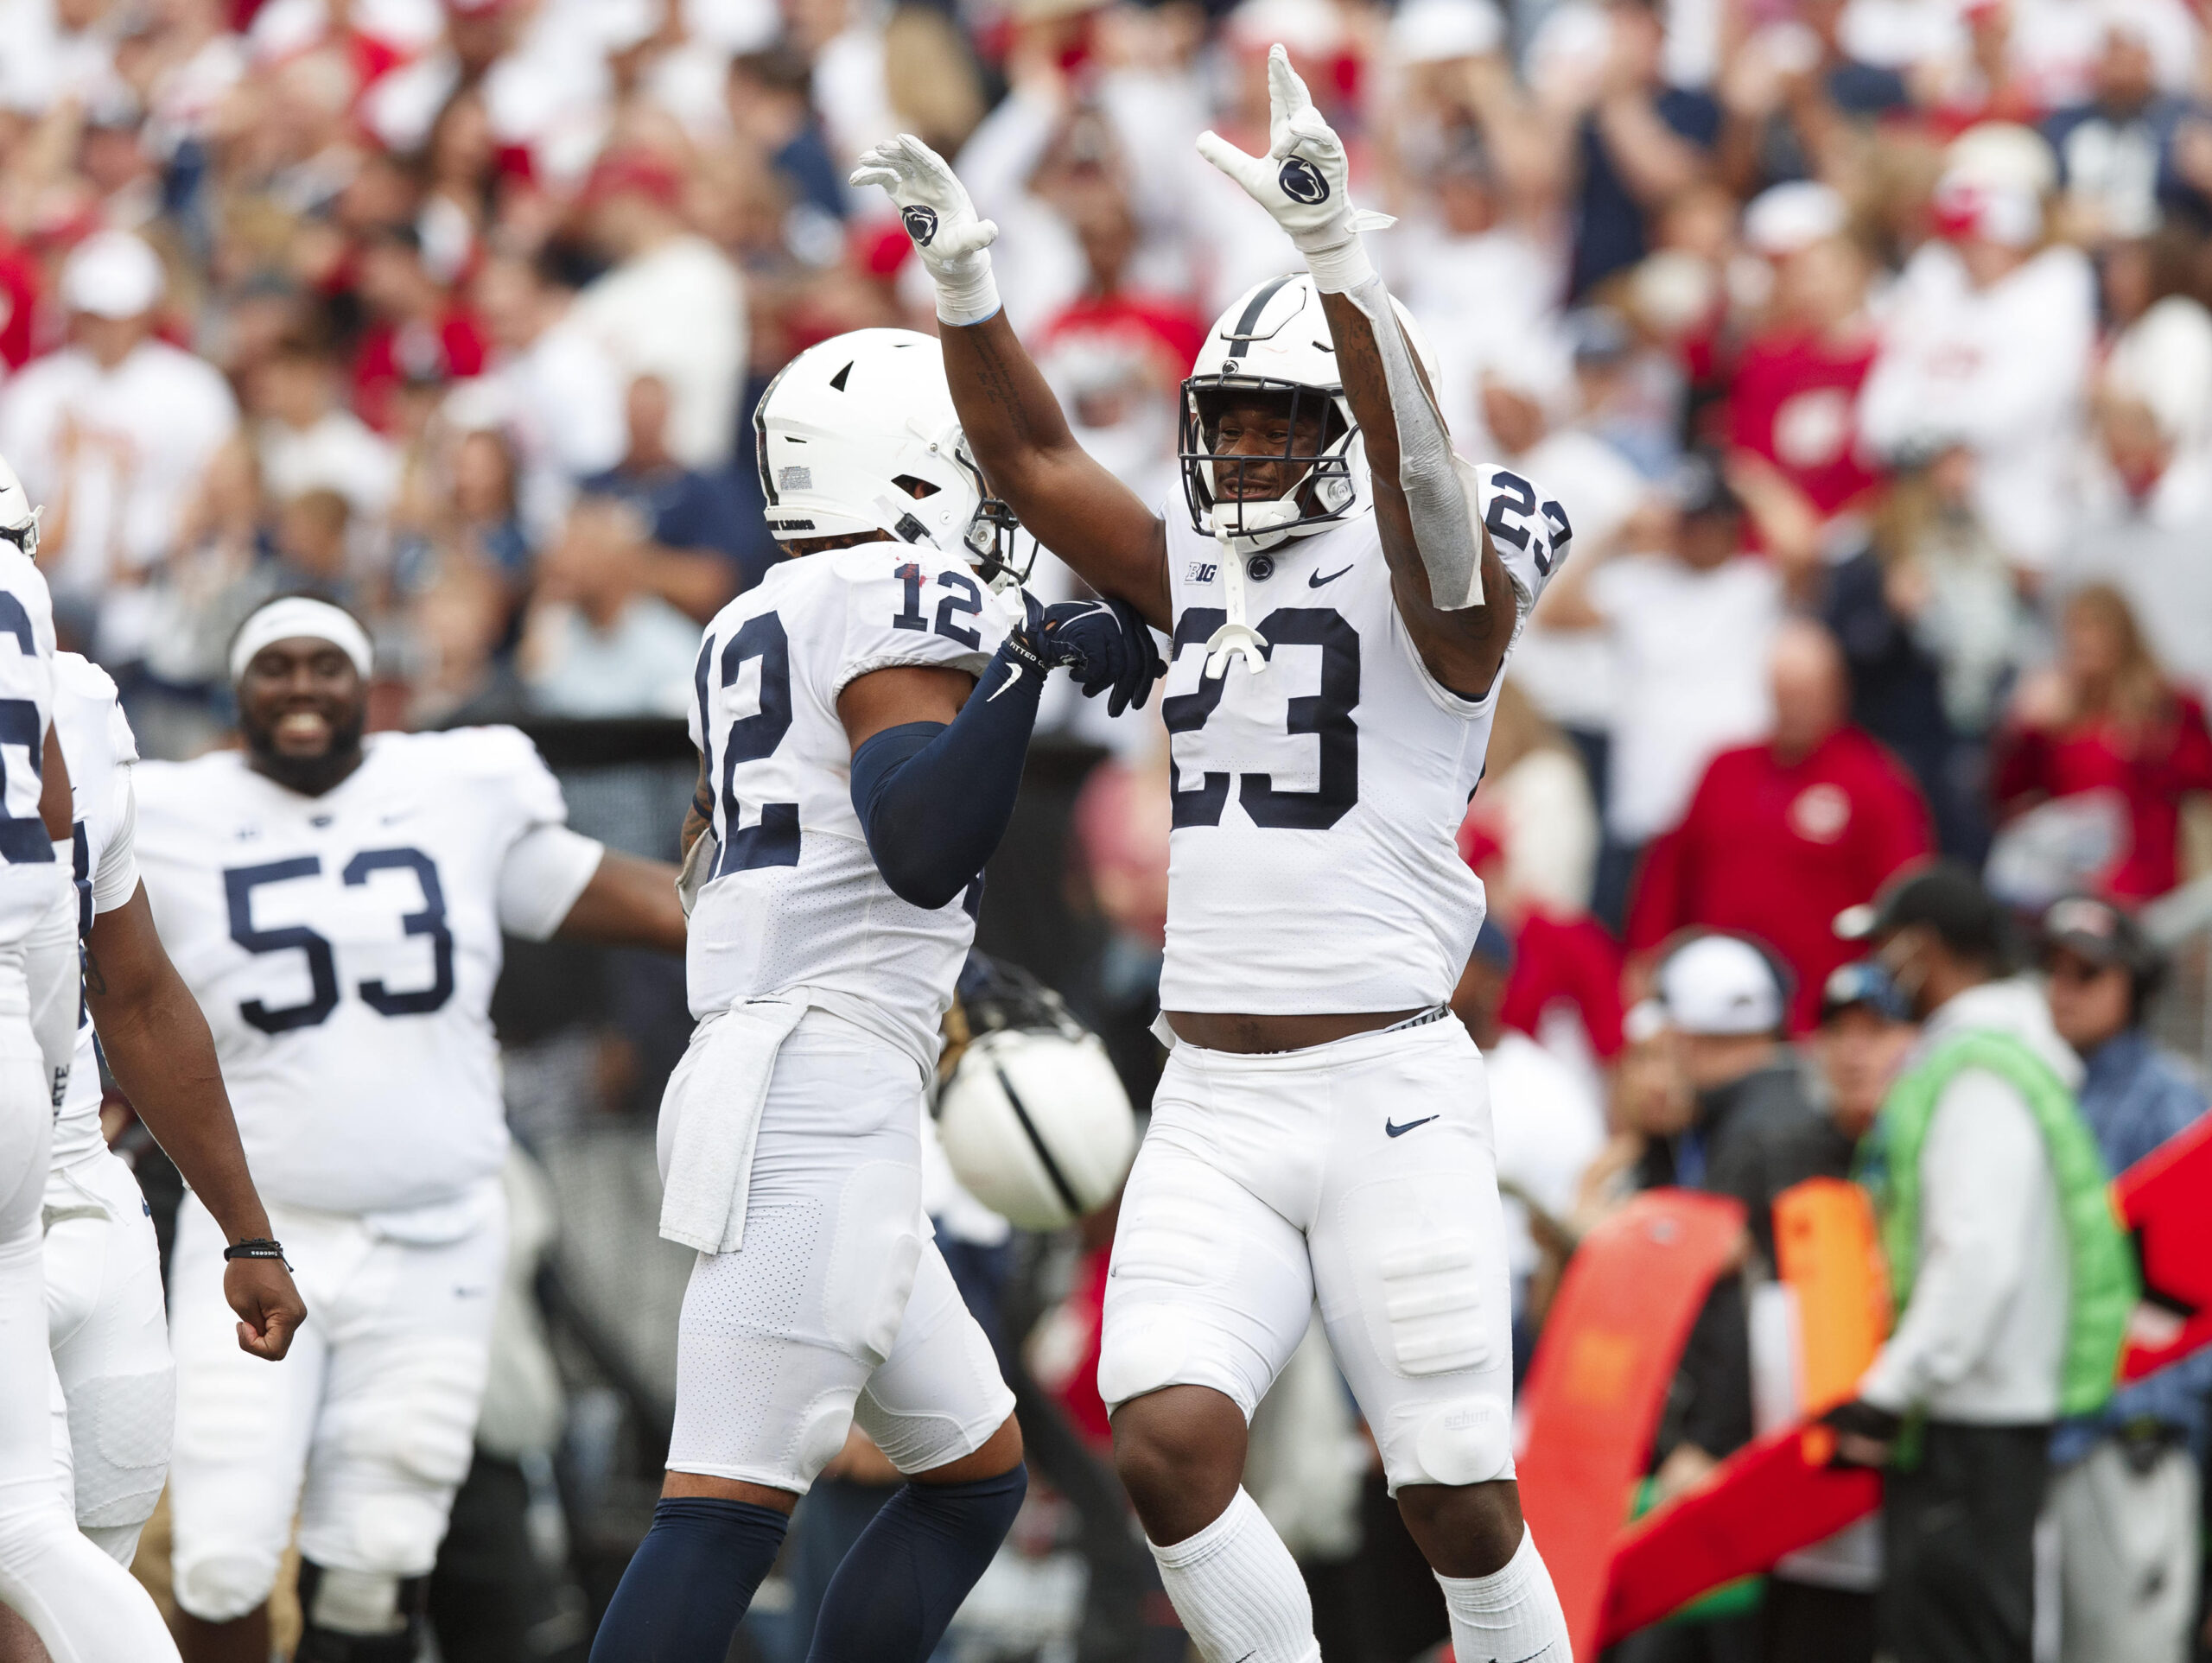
(1866, 342)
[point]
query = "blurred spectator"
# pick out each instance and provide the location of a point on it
(310, 544)
(1865, 1031)
(1820, 1602)
(1933, 627)
(1535, 802)
(1725, 1003)
(550, 385)
(112, 434)
(1549, 1128)
(673, 305)
(1998, 1247)
(1643, 143)
(1781, 837)
(2126, 1590)
(2149, 515)
(1986, 344)
(305, 440)
(771, 102)
(1689, 623)
(417, 331)
(1795, 401)
(2105, 719)
(2115, 148)
(698, 541)
(1569, 674)
(598, 642)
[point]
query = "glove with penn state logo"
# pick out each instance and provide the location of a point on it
(1304, 180)
(1102, 644)
(934, 205)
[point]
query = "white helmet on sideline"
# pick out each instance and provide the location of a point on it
(1036, 1125)
(1275, 341)
(18, 519)
(858, 434)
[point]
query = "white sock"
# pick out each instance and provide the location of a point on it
(1511, 1616)
(1238, 1591)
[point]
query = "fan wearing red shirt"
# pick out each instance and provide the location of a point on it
(2107, 719)
(417, 334)
(1781, 837)
(1795, 400)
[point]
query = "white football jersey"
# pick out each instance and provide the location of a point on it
(28, 871)
(101, 750)
(344, 947)
(795, 901)
(1312, 866)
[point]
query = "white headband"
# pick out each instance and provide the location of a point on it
(296, 616)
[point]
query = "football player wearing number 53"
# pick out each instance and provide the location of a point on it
(335, 906)
(1342, 592)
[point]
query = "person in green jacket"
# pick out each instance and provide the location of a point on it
(2012, 1279)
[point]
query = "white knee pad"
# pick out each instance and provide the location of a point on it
(871, 1263)
(1466, 1442)
(1144, 1353)
(119, 1431)
(424, 1427)
(222, 1587)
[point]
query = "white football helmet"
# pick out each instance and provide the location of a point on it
(18, 519)
(1274, 339)
(858, 434)
(1036, 1125)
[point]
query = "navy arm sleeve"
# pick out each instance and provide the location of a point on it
(934, 797)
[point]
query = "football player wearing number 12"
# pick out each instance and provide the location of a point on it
(1322, 1127)
(861, 719)
(335, 906)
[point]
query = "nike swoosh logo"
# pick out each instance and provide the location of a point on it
(1396, 1131)
(1314, 580)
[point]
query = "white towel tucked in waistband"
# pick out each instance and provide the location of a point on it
(710, 1119)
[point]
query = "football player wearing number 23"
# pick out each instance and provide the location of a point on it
(335, 904)
(1339, 622)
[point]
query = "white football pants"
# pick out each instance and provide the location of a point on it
(115, 1407)
(364, 1431)
(86, 1607)
(838, 1307)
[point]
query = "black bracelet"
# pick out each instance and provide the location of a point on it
(258, 1247)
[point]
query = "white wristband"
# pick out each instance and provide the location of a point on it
(970, 297)
(1340, 266)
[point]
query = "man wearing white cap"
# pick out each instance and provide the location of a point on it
(1727, 1005)
(1987, 346)
(120, 425)
(336, 905)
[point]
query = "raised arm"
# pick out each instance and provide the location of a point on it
(1469, 550)
(1013, 423)
(1429, 533)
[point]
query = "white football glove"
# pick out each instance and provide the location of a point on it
(934, 204)
(1303, 180)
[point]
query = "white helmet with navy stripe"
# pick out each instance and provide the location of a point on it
(1274, 342)
(858, 434)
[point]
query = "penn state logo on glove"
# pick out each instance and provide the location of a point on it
(1301, 181)
(921, 222)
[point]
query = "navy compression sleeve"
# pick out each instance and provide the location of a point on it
(934, 798)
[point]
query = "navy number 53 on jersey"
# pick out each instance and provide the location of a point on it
(239, 886)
